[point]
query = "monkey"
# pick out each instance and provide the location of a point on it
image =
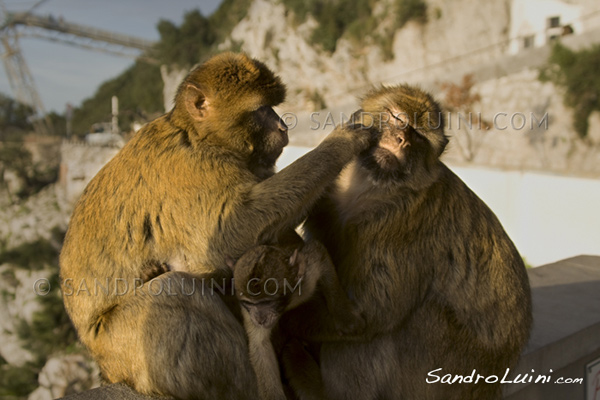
(270, 280)
(156, 222)
(441, 286)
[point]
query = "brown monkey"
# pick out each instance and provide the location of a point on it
(270, 280)
(157, 221)
(441, 286)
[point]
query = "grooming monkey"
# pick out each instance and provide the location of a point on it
(158, 220)
(427, 263)
(270, 280)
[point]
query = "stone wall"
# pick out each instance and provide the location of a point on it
(511, 96)
(80, 162)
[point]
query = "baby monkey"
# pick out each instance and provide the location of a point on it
(270, 280)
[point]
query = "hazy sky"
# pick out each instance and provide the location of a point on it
(66, 74)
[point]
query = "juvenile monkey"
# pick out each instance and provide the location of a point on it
(155, 224)
(270, 280)
(440, 284)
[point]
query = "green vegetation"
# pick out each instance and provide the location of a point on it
(14, 118)
(14, 124)
(577, 73)
(139, 90)
(140, 87)
(197, 37)
(410, 10)
(17, 382)
(185, 45)
(15, 157)
(355, 19)
(50, 330)
(317, 100)
(227, 16)
(31, 255)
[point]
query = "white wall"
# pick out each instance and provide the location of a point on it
(549, 217)
(529, 17)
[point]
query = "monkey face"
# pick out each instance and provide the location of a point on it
(398, 152)
(228, 101)
(269, 136)
(393, 146)
(411, 135)
(262, 276)
(265, 313)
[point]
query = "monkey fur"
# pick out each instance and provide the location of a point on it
(427, 263)
(270, 280)
(158, 220)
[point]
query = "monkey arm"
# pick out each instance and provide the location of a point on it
(292, 191)
(346, 316)
(385, 298)
(313, 322)
(302, 371)
(263, 360)
(320, 221)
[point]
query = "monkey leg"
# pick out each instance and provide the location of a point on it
(175, 336)
(301, 371)
(346, 316)
(354, 370)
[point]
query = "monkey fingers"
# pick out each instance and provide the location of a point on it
(350, 323)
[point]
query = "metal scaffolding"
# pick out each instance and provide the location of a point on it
(15, 25)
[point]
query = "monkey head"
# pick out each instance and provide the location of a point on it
(228, 101)
(411, 134)
(263, 278)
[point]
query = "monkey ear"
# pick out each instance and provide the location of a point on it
(230, 262)
(294, 261)
(196, 103)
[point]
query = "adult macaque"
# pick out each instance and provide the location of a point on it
(437, 279)
(189, 189)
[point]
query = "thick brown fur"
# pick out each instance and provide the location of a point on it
(192, 187)
(427, 263)
(270, 280)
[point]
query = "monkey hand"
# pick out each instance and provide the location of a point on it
(292, 352)
(361, 136)
(359, 117)
(350, 323)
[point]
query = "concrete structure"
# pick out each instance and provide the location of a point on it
(566, 332)
(549, 217)
(534, 23)
(80, 162)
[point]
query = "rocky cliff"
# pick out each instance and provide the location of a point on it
(455, 39)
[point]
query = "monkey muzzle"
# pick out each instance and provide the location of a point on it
(265, 318)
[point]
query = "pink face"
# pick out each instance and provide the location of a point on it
(397, 135)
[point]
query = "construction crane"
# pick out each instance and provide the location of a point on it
(15, 25)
